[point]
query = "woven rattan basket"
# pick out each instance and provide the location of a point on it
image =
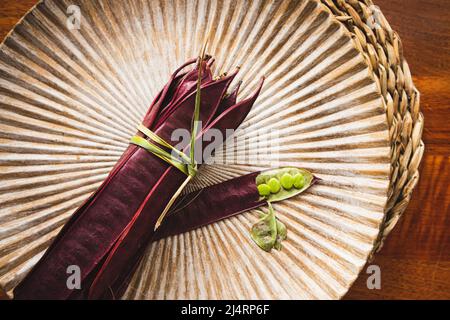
(379, 64)
(382, 48)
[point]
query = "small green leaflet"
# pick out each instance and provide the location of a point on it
(269, 232)
(281, 235)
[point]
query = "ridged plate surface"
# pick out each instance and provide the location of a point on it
(70, 100)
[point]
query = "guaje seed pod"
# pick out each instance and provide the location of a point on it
(227, 199)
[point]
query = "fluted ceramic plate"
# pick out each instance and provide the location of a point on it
(71, 99)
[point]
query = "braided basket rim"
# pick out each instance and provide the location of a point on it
(382, 49)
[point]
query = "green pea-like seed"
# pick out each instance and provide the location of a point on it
(274, 185)
(299, 181)
(264, 190)
(260, 180)
(287, 181)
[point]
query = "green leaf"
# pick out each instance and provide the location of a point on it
(281, 235)
(264, 232)
(162, 154)
(281, 231)
(196, 117)
(153, 136)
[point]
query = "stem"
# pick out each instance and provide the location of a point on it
(171, 202)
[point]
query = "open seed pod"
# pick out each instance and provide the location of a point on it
(338, 101)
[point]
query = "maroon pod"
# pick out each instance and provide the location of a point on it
(212, 204)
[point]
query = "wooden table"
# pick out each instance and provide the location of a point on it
(415, 262)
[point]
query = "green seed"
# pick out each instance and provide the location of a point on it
(287, 181)
(299, 181)
(264, 190)
(274, 185)
(260, 179)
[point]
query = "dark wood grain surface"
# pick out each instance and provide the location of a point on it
(415, 261)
